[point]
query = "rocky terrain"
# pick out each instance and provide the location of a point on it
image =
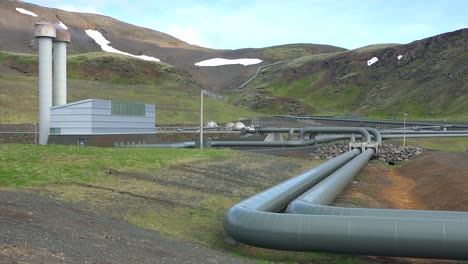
(388, 153)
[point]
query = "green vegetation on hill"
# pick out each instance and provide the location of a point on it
(430, 81)
(294, 51)
(113, 77)
(376, 47)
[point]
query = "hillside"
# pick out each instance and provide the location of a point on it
(427, 78)
(109, 76)
(16, 35)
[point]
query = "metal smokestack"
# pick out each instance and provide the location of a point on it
(45, 32)
(60, 65)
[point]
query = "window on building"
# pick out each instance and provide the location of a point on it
(55, 130)
(124, 108)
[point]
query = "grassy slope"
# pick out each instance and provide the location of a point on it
(176, 192)
(115, 77)
(445, 144)
(433, 83)
(294, 51)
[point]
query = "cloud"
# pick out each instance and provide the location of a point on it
(259, 23)
(81, 8)
(187, 34)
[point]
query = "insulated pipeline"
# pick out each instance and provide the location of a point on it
(327, 190)
(423, 136)
(314, 130)
(404, 233)
(447, 132)
(331, 130)
(162, 145)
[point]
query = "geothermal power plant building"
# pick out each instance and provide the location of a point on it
(79, 121)
(94, 116)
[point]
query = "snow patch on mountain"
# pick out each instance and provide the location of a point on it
(104, 43)
(221, 61)
(62, 25)
(26, 12)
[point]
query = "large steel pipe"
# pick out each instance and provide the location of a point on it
(447, 132)
(302, 206)
(327, 190)
(245, 130)
(331, 130)
(375, 133)
(369, 121)
(189, 144)
(423, 136)
(309, 130)
(254, 222)
(389, 232)
(45, 32)
(240, 143)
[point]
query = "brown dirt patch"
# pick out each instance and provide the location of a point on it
(441, 180)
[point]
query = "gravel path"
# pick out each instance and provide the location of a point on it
(34, 229)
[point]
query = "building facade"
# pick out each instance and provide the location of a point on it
(97, 117)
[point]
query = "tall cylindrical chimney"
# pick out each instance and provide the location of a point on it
(45, 32)
(60, 65)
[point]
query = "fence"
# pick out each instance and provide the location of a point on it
(19, 133)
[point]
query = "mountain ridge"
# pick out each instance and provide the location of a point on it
(429, 79)
(17, 29)
(314, 78)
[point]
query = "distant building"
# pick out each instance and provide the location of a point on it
(95, 117)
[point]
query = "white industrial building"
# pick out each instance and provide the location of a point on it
(87, 122)
(94, 116)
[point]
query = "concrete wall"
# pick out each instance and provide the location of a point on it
(111, 140)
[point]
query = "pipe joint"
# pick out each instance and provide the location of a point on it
(363, 146)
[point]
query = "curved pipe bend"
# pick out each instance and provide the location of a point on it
(375, 133)
(254, 222)
(359, 130)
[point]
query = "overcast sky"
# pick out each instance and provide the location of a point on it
(232, 24)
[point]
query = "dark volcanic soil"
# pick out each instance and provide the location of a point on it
(35, 229)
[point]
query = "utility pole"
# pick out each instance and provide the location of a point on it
(201, 119)
(404, 129)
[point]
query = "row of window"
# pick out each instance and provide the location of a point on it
(124, 108)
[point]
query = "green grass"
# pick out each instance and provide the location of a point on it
(114, 77)
(3, 57)
(445, 144)
(294, 51)
(19, 100)
(376, 47)
(171, 201)
(29, 165)
(433, 86)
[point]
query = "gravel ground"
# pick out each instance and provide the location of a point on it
(34, 229)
